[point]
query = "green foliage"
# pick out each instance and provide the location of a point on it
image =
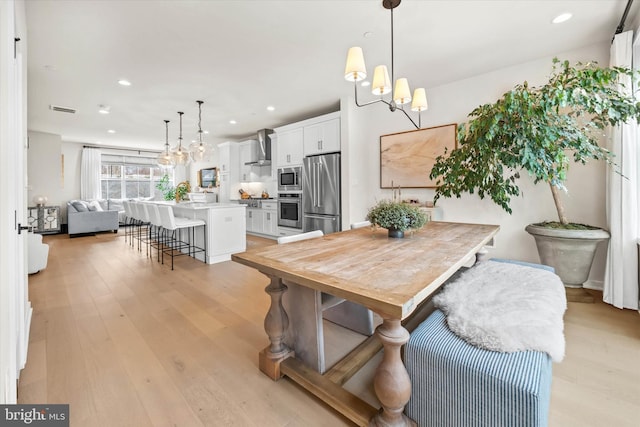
(538, 130)
(401, 216)
(168, 190)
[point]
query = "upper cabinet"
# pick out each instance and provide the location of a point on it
(227, 157)
(289, 150)
(248, 154)
(313, 136)
(323, 137)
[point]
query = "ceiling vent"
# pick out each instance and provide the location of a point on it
(62, 109)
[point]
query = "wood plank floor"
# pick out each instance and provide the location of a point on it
(127, 342)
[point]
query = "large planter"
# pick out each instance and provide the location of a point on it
(570, 252)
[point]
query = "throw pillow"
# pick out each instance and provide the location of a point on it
(95, 206)
(80, 206)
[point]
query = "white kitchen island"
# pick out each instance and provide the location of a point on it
(226, 227)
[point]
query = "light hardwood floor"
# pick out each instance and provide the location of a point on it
(127, 342)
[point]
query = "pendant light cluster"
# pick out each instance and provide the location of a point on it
(355, 71)
(181, 156)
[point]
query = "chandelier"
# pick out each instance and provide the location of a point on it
(165, 160)
(200, 152)
(355, 71)
(180, 155)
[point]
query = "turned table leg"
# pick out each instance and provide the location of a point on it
(276, 323)
(391, 383)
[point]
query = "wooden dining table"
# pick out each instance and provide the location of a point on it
(390, 276)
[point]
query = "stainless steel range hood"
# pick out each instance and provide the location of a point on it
(263, 148)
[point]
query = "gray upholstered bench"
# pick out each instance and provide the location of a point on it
(456, 384)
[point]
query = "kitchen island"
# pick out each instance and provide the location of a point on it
(226, 227)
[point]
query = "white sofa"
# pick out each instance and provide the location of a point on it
(90, 217)
(37, 253)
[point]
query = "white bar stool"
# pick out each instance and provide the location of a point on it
(173, 246)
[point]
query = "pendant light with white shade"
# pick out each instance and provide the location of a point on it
(165, 159)
(180, 154)
(200, 151)
(356, 71)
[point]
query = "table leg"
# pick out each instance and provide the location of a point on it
(391, 383)
(276, 323)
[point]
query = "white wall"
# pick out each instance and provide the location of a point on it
(53, 170)
(450, 104)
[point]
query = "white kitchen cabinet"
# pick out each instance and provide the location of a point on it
(247, 154)
(270, 220)
(323, 137)
(225, 188)
(227, 156)
(290, 151)
(255, 219)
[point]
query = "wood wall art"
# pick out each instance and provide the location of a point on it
(406, 158)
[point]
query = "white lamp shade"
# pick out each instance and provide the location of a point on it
(40, 200)
(419, 100)
(401, 93)
(200, 152)
(381, 82)
(355, 69)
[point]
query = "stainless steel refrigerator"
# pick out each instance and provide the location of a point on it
(321, 193)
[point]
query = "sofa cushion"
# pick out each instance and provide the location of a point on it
(94, 206)
(115, 205)
(80, 206)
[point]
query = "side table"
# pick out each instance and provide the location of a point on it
(44, 219)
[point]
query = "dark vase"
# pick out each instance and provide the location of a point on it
(395, 233)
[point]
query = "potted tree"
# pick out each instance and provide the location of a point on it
(539, 130)
(396, 217)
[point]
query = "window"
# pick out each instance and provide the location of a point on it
(128, 177)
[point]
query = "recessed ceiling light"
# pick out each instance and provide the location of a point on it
(103, 109)
(206, 132)
(367, 34)
(98, 142)
(563, 17)
(233, 122)
(271, 108)
(365, 83)
(111, 131)
(124, 82)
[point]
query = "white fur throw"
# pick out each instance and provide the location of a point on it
(507, 307)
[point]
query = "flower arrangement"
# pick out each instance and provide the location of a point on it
(396, 216)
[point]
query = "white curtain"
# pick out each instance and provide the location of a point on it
(90, 174)
(621, 274)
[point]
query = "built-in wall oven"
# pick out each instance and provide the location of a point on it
(290, 210)
(290, 179)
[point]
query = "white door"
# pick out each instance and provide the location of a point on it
(15, 309)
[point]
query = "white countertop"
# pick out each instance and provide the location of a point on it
(199, 205)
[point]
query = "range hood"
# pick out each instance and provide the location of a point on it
(263, 148)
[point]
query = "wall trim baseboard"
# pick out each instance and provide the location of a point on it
(597, 285)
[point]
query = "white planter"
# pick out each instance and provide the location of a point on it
(570, 252)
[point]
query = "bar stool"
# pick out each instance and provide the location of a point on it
(156, 241)
(151, 230)
(134, 221)
(141, 222)
(173, 246)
